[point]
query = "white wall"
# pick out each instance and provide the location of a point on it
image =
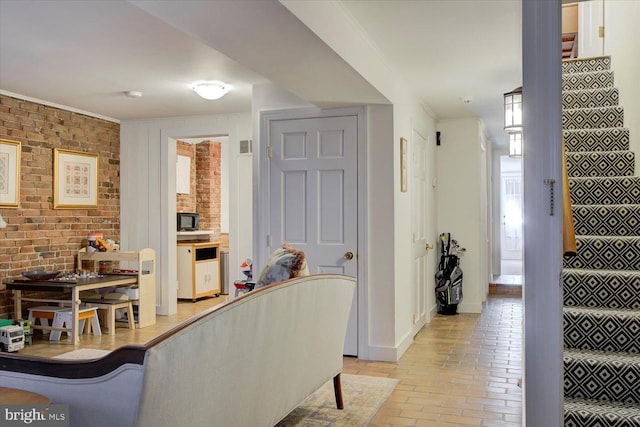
(147, 201)
(462, 203)
(389, 303)
(622, 33)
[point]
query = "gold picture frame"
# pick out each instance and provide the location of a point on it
(75, 179)
(403, 165)
(10, 173)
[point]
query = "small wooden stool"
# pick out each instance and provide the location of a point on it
(62, 319)
(44, 314)
(111, 302)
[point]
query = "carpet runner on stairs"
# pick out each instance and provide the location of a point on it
(601, 285)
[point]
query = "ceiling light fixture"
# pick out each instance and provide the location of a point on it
(515, 144)
(133, 94)
(211, 90)
(513, 110)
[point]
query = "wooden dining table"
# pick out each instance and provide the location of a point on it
(15, 396)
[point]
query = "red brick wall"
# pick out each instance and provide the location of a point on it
(38, 236)
(208, 184)
(187, 202)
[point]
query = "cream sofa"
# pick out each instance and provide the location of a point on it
(248, 362)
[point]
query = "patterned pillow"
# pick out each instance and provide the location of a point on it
(284, 263)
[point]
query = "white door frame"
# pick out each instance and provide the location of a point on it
(542, 159)
(261, 200)
(167, 292)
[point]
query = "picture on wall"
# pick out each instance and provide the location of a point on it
(9, 173)
(75, 179)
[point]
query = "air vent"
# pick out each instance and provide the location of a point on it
(245, 146)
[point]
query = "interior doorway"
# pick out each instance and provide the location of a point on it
(511, 216)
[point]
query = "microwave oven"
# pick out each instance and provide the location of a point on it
(188, 221)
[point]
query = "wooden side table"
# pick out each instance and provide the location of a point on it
(15, 396)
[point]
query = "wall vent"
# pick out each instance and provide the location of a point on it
(245, 146)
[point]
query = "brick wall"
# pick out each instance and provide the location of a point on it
(208, 184)
(38, 236)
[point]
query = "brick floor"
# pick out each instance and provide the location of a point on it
(460, 371)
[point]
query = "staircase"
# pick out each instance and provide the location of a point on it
(601, 284)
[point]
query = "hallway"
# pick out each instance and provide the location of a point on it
(460, 371)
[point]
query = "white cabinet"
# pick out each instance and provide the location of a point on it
(198, 270)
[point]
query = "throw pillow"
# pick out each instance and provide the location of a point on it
(284, 263)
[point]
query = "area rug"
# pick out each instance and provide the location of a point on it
(362, 395)
(83, 354)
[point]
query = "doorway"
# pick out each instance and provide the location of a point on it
(511, 219)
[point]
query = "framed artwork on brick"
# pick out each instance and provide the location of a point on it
(75, 179)
(9, 173)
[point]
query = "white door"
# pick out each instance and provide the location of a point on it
(590, 20)
(422, 280)
(511, 207)
(313, 196)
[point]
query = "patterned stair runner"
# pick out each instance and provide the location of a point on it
(601, 284)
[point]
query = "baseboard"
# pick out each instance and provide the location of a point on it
(475, 307)
(388, 354)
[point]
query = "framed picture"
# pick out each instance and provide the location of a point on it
(9, 173)
(403, 165)
(75, 179)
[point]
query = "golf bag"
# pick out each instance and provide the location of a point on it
(449, 276)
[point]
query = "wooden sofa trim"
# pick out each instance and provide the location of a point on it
(72, 369)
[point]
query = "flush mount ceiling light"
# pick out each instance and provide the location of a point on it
(211, 90)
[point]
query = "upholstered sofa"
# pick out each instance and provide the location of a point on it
(248, 362)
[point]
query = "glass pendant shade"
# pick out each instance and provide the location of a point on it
(513, 110)
(515, 144)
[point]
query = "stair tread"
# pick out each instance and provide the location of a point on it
(623, 238)
(610, 411)
(628, 206)
(598, 153)
(603, 311)
(627, 273)
(598, 356)
(612, 107)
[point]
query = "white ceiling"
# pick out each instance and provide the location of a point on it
(85, 54)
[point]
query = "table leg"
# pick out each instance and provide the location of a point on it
(75, 307)
(17, 304)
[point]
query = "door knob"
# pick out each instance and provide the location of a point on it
(428, 246)
(348, 255)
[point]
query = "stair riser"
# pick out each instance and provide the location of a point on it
(608, 289)
(607, 220)
(593, 98)
(593, 118)
(597, 380)
(585, 81)
(600, 414)
(606, 253)
(602, 332)
(610, 163)
(605, 191)
(586, 65)
(612, 139)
